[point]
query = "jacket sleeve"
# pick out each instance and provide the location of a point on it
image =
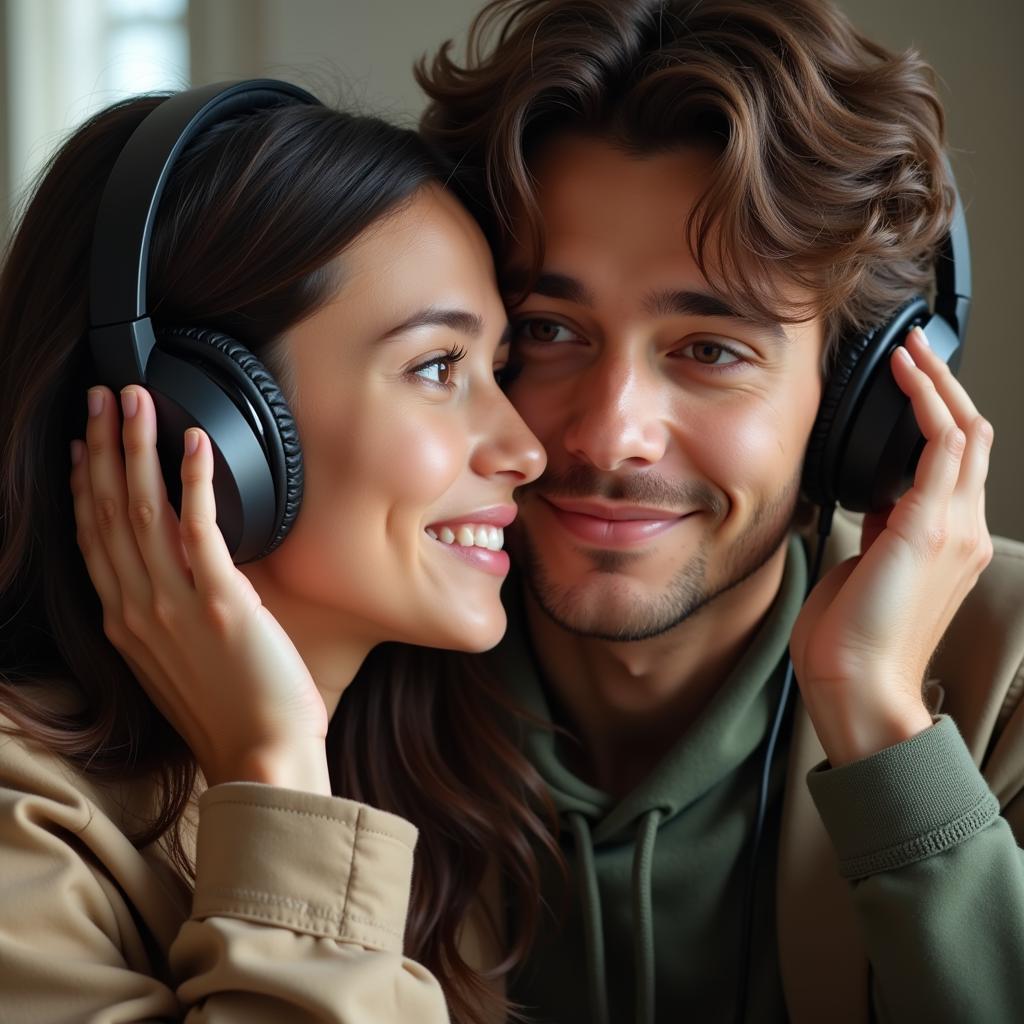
(298, 915)
(937, 876)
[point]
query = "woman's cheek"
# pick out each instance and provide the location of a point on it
(412, 463)
(366, 501)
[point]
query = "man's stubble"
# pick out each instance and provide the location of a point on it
(625, 618)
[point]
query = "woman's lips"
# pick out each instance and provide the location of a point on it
(612, 527)
(477, 537)
(494, 562)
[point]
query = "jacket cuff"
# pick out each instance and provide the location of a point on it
(903, 804)
(310, 863)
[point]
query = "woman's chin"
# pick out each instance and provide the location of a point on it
(478, 633)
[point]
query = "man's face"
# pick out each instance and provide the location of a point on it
(674, 429)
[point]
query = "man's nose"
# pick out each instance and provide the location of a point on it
(616, 419)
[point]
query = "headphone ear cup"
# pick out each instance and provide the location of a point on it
(818, 474)
(268, 498)
(851, 452)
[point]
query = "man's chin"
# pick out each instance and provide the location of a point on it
(619, 606)
(610, 605)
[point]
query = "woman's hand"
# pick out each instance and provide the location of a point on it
(189, 624)
(863, 640)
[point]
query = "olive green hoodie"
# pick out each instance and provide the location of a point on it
(656, 891)
(679, 840)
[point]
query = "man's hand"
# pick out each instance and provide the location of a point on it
(862, 642)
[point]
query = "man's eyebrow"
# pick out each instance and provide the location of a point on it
(457, 319)
(673, 302)
(554, 286)
(663, 302)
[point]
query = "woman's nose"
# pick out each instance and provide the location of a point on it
(508, 445)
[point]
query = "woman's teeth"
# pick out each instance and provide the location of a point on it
(467, 536)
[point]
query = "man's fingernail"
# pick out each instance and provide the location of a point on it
(95, 401)
(191, 441)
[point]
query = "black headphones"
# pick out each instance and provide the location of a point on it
(198, 377)
(865, 443)
(862, 453)
(862, 450)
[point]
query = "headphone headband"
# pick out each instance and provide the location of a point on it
(131, 198)
(197, 376)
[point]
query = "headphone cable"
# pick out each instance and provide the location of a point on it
(824, 528)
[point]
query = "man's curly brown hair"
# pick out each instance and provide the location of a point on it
(830, 173)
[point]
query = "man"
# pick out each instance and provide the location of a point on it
(696, 205)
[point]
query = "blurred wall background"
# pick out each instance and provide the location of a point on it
(62, 59)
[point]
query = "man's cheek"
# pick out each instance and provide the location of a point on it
(537, 408)
(748, 451)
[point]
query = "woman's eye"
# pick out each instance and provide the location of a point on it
(441, 369)
(542, 330)
(709, 353)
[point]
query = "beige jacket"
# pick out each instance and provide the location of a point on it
(300, 900)
(298, 912)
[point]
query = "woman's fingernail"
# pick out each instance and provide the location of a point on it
(129, 402)
(191, 441)
(77, 448)
(95, 401)
(905, 355)
(922, 337)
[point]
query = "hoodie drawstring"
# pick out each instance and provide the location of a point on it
(593, 921)
(643, 918)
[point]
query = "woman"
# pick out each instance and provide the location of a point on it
(327, 245)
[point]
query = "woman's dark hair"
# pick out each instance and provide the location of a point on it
(829, 172)
(254, 215)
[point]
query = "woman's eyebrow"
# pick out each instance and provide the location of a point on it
(457, 319)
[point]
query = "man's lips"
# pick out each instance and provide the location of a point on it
(607, 524)
(615, 511)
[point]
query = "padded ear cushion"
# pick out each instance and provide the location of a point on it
(821, 461)
(235, 367)
(817, 484)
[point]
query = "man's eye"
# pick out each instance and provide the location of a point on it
(542, 330)
(507, 373)
(709, 353)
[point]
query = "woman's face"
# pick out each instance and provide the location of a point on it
(411, 450)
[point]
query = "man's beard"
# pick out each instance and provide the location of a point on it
(687, 592)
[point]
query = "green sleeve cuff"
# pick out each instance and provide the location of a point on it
(904, 804)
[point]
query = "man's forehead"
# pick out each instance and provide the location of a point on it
(578, 181)
(609, 217)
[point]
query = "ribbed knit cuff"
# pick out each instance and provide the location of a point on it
(903, 804)
(315, 864)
